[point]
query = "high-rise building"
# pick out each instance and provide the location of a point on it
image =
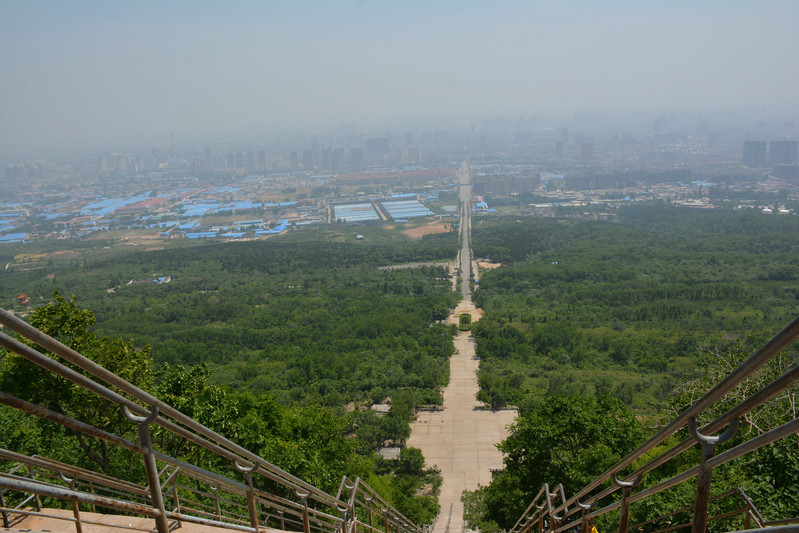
(262, 158)
(754, 153)
(782, 152)
(376, 146)
(250, 158)
(558, 149)
(199, 167)
(239, 159)
(230, 161)
(587, 151)
(337, 160)
(327, 154)
(307, 160)
(356, 158)
(295, 160)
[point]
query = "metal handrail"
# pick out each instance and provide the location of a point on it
(585, 498)
(313, 509)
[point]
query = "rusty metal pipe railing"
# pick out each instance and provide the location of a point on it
(62, 493)
(359, 486)
(56, 347)
(67, 373)
(774, 346)
(311, 518)
(787, 380)
(73, 471)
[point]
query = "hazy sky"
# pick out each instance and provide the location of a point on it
(79, 71)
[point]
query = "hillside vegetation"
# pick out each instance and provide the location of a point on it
(305, 317)
(600, 332)
(627, 308)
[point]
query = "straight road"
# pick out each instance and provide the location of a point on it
(465, 256)
(460, 439)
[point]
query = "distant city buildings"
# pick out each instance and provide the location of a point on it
(356, 158)
(587, 151)
(558, 149)
(782, 152)
(779, 153)
(754, 153)
(307, 160)
(376, 146)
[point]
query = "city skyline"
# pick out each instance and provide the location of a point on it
(87, 73)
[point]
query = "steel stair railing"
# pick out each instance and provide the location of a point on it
(299, 505)
(564, 517)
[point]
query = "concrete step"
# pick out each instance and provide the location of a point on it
(60, 521)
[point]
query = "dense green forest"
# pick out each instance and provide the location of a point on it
(313, 442)
(600, 332)
(606, 327)
(303, 317)
(266, 342)
(627, 308)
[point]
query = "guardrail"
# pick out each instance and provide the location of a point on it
(193, 493)
(544, 512)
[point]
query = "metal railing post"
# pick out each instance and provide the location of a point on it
(306, 524)
(150, 468)
(36, 498)
(626, 489)
(91, 491)
(3, 505)
(584, 518)
(175, 493)
(369, 507)
(251, 505)
(348, 517)
(554, 520)
(75, 507)
(215, 491)
(705, 473)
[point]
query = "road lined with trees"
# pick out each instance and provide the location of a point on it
(460, 439)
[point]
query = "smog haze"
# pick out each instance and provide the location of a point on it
(83, 73)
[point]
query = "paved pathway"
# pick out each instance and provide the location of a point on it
(461, 438)
(103, 523)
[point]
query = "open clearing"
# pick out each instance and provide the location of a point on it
(427, 229)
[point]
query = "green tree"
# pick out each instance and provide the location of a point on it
(568, 440)
(769, 475)
(67, 323)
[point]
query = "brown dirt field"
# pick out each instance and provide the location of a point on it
(429, 229)
(67, 254)
(486, 265)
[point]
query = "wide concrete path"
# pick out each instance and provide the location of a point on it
(460, 439)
